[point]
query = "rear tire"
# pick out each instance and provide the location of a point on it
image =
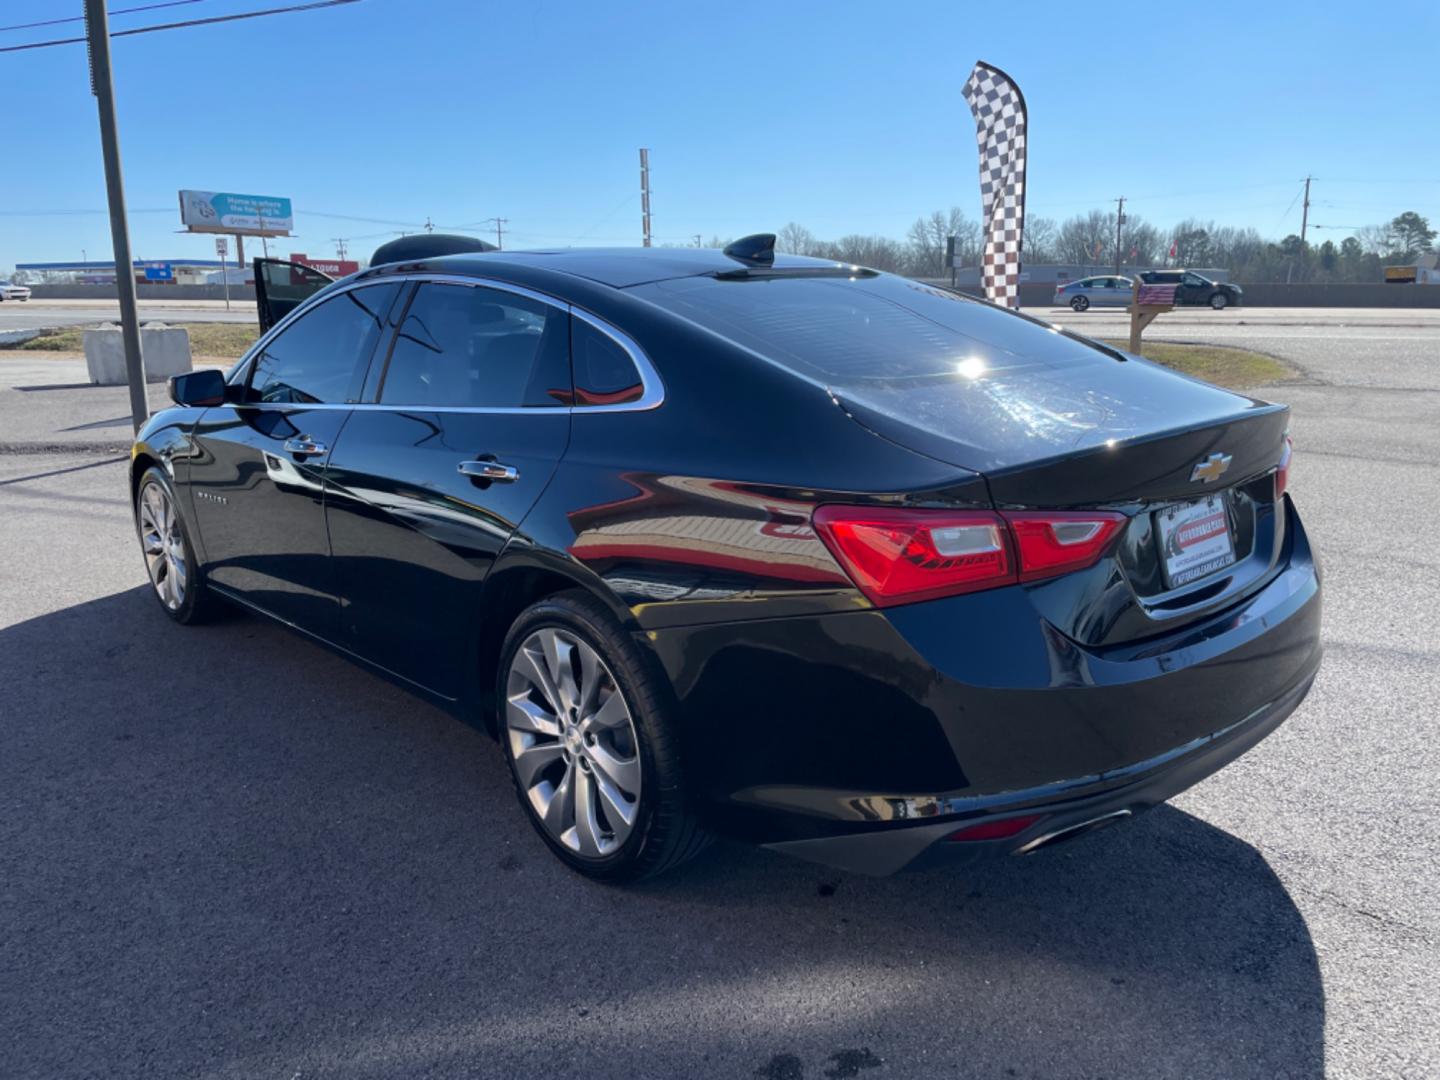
(1218, 301)
(1080, 303)
(587, 729)
(175, 575)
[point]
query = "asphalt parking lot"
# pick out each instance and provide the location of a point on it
(226, 853)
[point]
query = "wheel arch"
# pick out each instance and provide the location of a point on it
(140, 462)
(518, 579)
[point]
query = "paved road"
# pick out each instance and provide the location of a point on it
(225, 853)
(35, 314)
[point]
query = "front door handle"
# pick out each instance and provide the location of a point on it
(490, 470)
(305, 446)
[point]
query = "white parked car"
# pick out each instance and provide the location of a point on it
(9, 291)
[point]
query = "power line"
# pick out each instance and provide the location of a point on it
(81, 18)
(315, 6)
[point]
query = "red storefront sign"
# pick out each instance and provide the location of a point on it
(335, 268)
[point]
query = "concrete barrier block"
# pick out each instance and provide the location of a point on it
(166, 350)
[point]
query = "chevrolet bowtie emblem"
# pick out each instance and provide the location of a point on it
(1212, 468)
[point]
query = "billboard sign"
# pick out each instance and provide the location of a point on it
(159, 271)
(241, 215)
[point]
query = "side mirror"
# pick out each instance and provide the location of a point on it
(198, 388)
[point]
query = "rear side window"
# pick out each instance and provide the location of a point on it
(604, 372)
(316, 359)
(462, 345)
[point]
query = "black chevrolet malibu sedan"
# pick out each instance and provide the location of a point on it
(743, 544)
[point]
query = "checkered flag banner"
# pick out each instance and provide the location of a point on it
(1000, 123)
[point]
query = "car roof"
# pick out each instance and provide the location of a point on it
(618, 267)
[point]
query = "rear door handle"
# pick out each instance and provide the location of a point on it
(490, 470)
(305, 446)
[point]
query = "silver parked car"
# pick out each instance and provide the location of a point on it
(10, 291)
(1104, 290)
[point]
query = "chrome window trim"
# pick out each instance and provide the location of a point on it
(652, 393)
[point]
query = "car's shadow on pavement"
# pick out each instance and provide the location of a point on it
(225, 852)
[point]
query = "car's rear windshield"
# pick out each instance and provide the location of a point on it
(869, 332)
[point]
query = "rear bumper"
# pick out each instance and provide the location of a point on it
(1085, 804)
(861, 739)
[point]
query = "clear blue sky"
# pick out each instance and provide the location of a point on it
(843, 116)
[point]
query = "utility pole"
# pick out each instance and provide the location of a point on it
(645, 193)
(102, 85)
(1119, 222)
(500, 232)
(429, 228)
(1305, 213)
(1304, 224)
(340, 247)
(697, 239)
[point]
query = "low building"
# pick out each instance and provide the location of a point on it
(147, 271)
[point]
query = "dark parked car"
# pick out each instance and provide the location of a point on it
(826, 559)
(1191, 288)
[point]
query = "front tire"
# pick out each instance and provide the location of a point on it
(1218, 301)
(593, 751)
(169, 555)
(1080, 303)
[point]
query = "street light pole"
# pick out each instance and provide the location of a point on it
(97, 40)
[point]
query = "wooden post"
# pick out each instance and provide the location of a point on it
(1142, 315)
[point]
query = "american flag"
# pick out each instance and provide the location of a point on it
(1156, 294)
(1000, 123)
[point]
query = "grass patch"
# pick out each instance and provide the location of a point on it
(1222, 365)
(212, 340)
(223, 341)
(66, 340)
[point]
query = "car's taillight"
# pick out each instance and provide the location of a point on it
(1054, 542)
(899, 556)
(1282, 471)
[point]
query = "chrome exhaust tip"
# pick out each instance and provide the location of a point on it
(1069, 832)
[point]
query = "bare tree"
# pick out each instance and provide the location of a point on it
(929, 237)
(1040, 236)
(1086, 238)
(796, 239)
(876, 252)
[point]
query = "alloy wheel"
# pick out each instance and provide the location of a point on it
(164, 545)
(1218, 301)
(1080, 303)
(572, 742)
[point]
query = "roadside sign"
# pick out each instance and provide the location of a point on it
(335, 268)
(159, 272)
(222, 246)
(237, 215)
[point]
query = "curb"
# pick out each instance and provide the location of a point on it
(36, 448)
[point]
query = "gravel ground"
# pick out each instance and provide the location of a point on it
(226, 853)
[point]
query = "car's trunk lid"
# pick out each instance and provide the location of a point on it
(1052, 435)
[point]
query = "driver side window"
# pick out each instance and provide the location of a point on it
(315, 360)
